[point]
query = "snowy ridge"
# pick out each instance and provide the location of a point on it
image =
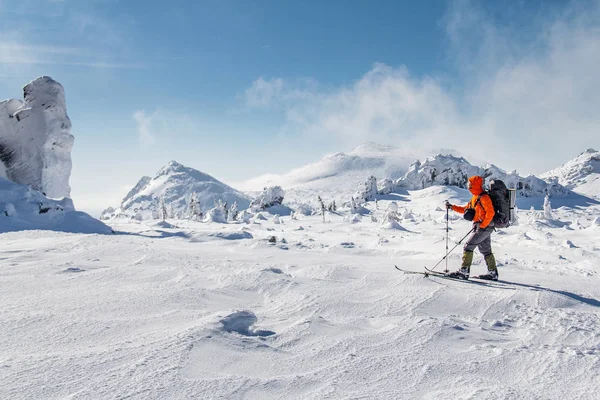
(341, 170)
(448, 170)
(35, 139)
(341, 176)
(581, 174)
(175, 184)
(22, 208)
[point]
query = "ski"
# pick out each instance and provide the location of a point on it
(475, 280)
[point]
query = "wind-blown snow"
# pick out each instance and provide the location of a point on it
(342, 170)
(303, 309)
(35, 139)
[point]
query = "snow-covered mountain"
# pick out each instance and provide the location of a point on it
(175, 184)
(581, 174)
(341, 176)
(342, 171)
(35, 138)
(448, 170)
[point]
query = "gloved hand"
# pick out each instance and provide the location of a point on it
(448, 205)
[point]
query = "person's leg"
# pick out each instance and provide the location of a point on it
(476, 239)
(485, 247)
(473, 241)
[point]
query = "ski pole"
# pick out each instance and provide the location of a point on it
(448, 252)
(447, 211)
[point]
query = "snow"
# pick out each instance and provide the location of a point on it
(454, 171)
(175, 184)
(188, 309)
(22, 208)
(336, 177)
(581, 174)
(35, 138)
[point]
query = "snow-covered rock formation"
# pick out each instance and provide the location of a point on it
(35, 139)
(581, 174)
(23, 208)
(270, 197)
(35, 163)
(448, 170)
(175, 184)
(444, 170)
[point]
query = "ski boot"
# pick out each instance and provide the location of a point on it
(492, 274)
(463, 272)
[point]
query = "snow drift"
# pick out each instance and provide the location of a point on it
(35, 139)
(23, 208)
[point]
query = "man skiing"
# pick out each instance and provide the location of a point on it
(480, 210)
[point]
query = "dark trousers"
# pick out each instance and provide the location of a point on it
(481, 238)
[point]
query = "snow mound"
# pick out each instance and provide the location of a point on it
(22, 208)
(35, 139)
(174, 184)
(393, 225)
(242, 234)
(581, 174)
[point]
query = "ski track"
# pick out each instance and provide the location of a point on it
(157, 314)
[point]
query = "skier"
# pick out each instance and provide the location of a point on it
(480, 210)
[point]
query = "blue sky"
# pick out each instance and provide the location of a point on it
(239, 88)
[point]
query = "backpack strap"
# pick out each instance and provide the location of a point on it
(479, 200)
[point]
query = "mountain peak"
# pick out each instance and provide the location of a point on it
(175, 184)
(368, 148)
(582, 173)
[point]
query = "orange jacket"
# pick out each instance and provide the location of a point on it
(484, 209)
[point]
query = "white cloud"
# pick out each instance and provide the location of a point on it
(526, 104)
(100, 43)
(146, 126)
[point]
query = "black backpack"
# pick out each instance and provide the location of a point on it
(499, 195)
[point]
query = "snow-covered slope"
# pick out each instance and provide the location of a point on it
(23, 208)
(341, 176)
(303, 309)
(581, 174)
(175, 184)
(35, 139)
(342, 170)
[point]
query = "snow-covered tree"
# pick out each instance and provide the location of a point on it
(245, 216)
(386, 186)
(270, 196)
(391, 214)
(332, 206)
(233, 212)
(217, 213)
(163, 208)
(194, 211)
(368, 191)
(353, 206)
(547, 208)
(322, 207)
